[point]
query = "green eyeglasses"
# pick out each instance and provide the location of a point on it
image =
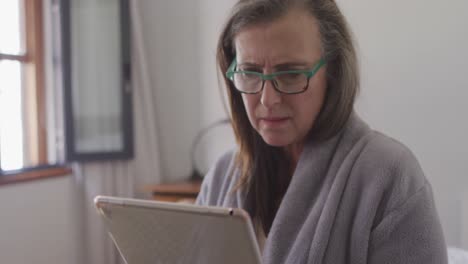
(287, 82)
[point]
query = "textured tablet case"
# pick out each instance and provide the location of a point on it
(149, 236)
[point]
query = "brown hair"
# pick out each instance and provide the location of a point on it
(265, 170)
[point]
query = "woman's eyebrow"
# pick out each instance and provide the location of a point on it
(249, 65)
(289, 65)
(281, 66)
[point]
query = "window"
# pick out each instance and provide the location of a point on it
(23, 140)
(97, 79)
(88, 113)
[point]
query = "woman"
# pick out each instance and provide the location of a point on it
(319, 184)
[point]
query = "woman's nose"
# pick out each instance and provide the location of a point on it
(270, 96)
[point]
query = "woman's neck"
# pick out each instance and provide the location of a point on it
(294, 153)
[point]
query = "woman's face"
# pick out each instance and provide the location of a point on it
(290, 43)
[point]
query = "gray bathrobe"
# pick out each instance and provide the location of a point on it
(360, 197)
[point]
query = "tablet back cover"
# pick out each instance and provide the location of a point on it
(158, 236)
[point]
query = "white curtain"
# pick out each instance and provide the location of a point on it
(119, 178)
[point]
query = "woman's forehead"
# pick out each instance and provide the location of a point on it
(290, 38)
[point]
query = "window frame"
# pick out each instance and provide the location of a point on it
(33, 83)
(71, 154)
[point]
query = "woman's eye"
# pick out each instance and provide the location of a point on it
(291, 76)
(251, 70)
(247, 76)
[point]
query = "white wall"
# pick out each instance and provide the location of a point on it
(37, 224)
(211, 20)
(415, 88)
(171, 39)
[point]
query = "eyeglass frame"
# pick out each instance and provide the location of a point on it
(265, 77)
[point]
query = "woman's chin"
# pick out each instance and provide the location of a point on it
(276, 141)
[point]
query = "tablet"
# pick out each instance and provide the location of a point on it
(153, 232)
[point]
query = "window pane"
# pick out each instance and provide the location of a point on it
(11, 129)
(10, 26)
(96, 65)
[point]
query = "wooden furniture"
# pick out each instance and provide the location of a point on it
(185, 191)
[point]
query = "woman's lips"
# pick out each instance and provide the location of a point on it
(274, 121)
